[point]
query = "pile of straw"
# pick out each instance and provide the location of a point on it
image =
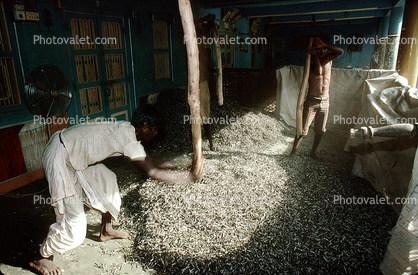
(253, 213)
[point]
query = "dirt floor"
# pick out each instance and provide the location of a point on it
(25, 222)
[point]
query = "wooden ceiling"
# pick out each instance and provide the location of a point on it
(306, 11)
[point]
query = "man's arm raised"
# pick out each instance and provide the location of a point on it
(335, 51)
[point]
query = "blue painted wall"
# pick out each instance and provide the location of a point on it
(204, 12)
(142, 56)
(242, 59)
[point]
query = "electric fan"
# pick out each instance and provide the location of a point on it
(47, 92)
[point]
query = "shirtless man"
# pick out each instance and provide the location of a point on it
(76, 177)
(317, 101)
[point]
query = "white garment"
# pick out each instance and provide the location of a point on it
(87, 144)
(70, 228)
(94, 184)
(100, 192)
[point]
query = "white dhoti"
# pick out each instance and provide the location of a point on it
(95, 186)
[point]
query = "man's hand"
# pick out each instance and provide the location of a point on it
(172, 177)
(318, 43)
(172, 164)
(311, 51)
(197, 172)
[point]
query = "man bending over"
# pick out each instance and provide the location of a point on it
(75, 176)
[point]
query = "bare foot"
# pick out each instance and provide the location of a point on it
(110, 234)
(314, 155)
(45, 266)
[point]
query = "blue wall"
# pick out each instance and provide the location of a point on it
(142, 55)
(242, 59)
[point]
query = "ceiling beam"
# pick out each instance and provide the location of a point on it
(329, 16)
(318, 7)
(253, 4)
(327, 23)
(318, 12)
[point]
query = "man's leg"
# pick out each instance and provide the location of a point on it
(315, 144)
(106, 230)
(208, 132)
(67, 233)
(70, 227)
(102, 194)
(321, 119)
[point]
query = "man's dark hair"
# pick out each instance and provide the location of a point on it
(147, 113)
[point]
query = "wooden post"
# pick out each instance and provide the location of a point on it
(409, 57)
(193, 84)
(302, 92)
(219, 82)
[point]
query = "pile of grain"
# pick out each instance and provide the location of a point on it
(253, 213)
(235, 127)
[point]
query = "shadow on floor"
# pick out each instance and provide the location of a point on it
(26, 216)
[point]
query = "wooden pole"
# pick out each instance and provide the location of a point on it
(193, 83)
(409, 56)
(219, 82)
(302, 92)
